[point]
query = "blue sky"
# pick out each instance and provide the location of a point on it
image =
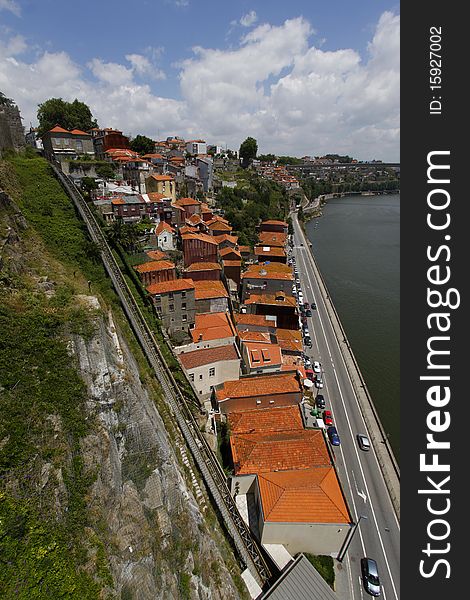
(260, 68)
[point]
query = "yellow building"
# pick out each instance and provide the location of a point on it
(162, 184)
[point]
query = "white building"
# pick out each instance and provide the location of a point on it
(195, 147)
(165, 236)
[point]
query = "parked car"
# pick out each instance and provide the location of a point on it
(308, 312)
(308, 341)
(316, 366)
(304, 321)
(319, 383)
(310, 374)
(363, 442)
(306, 305)
(313, 305)
(370, 576)
(320, 401)
(307, 361)
(333, 436)
(328, 417)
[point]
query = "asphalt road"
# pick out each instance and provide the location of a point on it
(377, 535)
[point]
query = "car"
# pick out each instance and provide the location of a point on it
(307, 362)
(308, 312)
(308, 341)
(320, 401)
(310, 374)
(313, 306)
(306, 305)
(316, 366)
(319, 383)
(370, 576)
(304, 320)
(328, 417)
(363, 442)
(333, 436)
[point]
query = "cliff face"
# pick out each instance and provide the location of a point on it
(98, 496)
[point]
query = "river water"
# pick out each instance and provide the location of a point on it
(357, 246)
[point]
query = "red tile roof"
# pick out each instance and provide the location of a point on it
(269, 271)
(261, 385)
(226, 251)
(289, 339)
(204, 290)
(278, 451)
(58, 129)
(164, 226)
(162, 177)
(273, 222)
(269, 251)
(306, 496)
(278, 299)
(255, 336)
(156, 254)
(165, 287)
(199, 236)
(155, 265)
(262, 354)
(187, 229)
(272, 238)
(212, 326)
(232, 263)
(220, 226)
(225, 237)
(79, 132)
(203, 266)
(187, 202)
(260, 320)
(207, 356)
(266, 420)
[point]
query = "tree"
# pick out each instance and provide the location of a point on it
(248, 150)
(69, 115)
(142, 144)
(89, 184)
(105, 171)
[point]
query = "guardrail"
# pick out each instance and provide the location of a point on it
(209, 466)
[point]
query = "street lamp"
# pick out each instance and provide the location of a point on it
(343, 550)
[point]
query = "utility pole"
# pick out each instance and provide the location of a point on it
(348, 541)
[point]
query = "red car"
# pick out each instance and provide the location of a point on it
(328, 418)
(310, 374)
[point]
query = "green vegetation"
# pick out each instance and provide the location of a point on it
(248, 150)
(325, 566)
(142, 144)
(69, 115)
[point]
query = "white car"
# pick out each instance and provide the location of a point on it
(316, 366)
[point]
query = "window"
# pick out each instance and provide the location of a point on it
(184, 318)
(191, 377)
(170, 296)
(183, 294)
(258, 402)
(183, 305)
(171, 308)
(212, 372)
(200, 377)
(79, 145)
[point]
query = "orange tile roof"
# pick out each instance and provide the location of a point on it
(155, 265)
(79, 132)
(117, 201)
(266, 420)
(164, 226)
(203, 266)
(269, 251)
(217, 219)
(225, 237)
(207, 356)
(194, 220)
(165, 287)
(262, 354)
(306, 496)
(255, 336)
(272, 238)
(58, 129)
(187, 202)
(155, 196)
(219, 226)
(269, 271)
(187, 229)
(278, 451)
(212, 326)
(156, 254)
(162, 177)
(226, 251)
(278, 299)
(199, 236)
(247, 319)
(261, 385)
(204, 290)
(274, 222)
(232, 263)
(152, 156)
(289, 339)
(244, 249)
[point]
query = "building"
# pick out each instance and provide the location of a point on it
(226, 241)
(211, 296)
(276, 226)
(260, 391)
(272, 238)
(203, 271)
(283, 307)
(284, 418)
(209, 367)
(290, 341)
(210, 331)
(249, 322)
(267, 279)
(165, 235)
(270, 254)
(199, 247)
(191, 206)
(195, 147)
(205, 167)
(162, 184)
(232, 270)
(133, 207)
(107, 139)
(174, 303)
(61, 143)
(156, 271)
(260, 357)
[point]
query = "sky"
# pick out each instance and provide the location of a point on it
(302, 77)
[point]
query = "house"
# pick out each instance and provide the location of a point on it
(276, 226)
(267, 279)
(290, 341)
(133, 207)
(156, 271)
(258, 391)
(209, 367)
(62, 143)
(156, 255)
(261, 337)
(218, 227)
(230, 253)
(232, 269)
(195, 147)
(265, 420)
(203, 271)
(199, 247)
(260, 357)
(174, 303)
(162, 184)
(270, 253)
(211, 296)
(249, 322)
(206, 213)
(191, 206)
(272, 238)
(245, 252)
(210, 331)
(279, 304)
(107, 139)
(226, 241)
(165, 235)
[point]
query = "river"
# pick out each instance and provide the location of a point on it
(357, 246)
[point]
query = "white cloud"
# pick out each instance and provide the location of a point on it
(294, 98)
(11, 6)
(249, 19)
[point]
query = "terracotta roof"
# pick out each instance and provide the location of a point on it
(187, 202)
(232, 263)
(219, 226)
(79, 132)
(199, 236)
(255, 336)
(117, 201)
(152, 156)
(212, 326)
(194, 220)
(204, 290)
(155, 265)
(262, 354)
(269, 271)
(266, 420)
(207, 356)
(307, 496)
(203, 266)
(164, 226)
(278, 299)
(260, 320)
(274, 222)
(156, 254)
(58, 129)
(272, 238)
(217, 219)
(269, 251)
(155, 196)
(225, 237)
(289, 339)
(278, 451)
(162, 177)
(244, 249)
(261, 385)
(226, 251)
(165, 287)
(187, 229)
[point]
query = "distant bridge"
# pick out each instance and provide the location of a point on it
(306, 168)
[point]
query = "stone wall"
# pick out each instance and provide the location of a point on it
(11, 129)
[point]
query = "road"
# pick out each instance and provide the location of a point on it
(378, 533)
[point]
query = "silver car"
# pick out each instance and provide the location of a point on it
(370, 576)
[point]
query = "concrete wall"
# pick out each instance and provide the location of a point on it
(224, 371)
(205, 344)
